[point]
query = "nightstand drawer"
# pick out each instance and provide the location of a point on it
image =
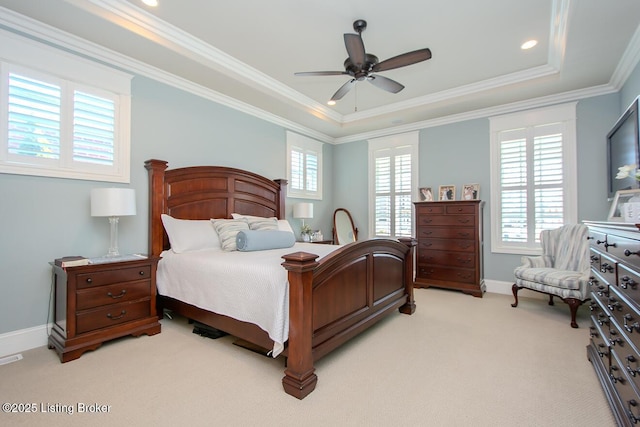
(112, 294)
(111, 315)
(105, 277)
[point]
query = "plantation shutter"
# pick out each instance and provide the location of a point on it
(531, 182)
(35, 129)
(393, 185)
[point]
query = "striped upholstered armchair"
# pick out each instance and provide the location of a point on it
(562, 270)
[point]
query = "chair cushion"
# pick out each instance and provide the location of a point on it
(564, 279)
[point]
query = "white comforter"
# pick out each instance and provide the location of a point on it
(247, 286)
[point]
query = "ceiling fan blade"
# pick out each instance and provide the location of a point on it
(343, 90)
(403, 60)
(321, 73)
(385, 83)
(355, 49)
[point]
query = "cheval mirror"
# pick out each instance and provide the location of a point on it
(343, 229)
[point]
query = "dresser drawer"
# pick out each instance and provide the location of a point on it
(452, 259)
(111, 315)
(448, 274)
(626, 316)
(447, 244)
(446, 232)
(461, 209)
(599, 341)
(623, 384)
(449, 220)
(629, 283)
(107, 277)
(112, 294)
(599, 287)
(599, 316)
(429, 210)
(624, 248)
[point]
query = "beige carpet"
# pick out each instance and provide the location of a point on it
(458, 361)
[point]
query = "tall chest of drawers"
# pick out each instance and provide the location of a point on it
(614, 345)
(450, 246)
(99, 302)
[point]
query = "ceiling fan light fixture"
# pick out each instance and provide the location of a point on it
(151, 3)
(331, 102)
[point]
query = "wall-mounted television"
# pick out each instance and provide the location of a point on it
(623, 149)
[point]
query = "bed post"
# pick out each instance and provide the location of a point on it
(300, 379)
(410, 306)
(282, 195)
(156, 170)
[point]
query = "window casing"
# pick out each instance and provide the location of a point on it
(393, 177)
(68, 118)
(304, 167)
(533, 176)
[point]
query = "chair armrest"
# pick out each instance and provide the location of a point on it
(541, 261)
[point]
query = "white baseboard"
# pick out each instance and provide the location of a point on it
(499, 287)
(23, 340)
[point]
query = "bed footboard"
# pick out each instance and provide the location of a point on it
(335, 299)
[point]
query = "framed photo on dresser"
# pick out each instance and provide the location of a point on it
(447, 192)
(470, 192)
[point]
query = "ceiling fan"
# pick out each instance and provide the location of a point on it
(360, 65)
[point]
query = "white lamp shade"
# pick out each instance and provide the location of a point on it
(303, 210)
(113, 202)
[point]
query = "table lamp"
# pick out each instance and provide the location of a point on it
(303, 211)
(113, 203)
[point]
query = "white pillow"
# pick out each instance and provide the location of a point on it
(227, 230)
(187, 235)
(261, 223)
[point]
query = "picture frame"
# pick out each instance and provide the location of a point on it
(447, 192)
(625, 207)
(426, 194)
(470, 192)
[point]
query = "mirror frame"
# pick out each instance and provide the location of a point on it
(353, 228)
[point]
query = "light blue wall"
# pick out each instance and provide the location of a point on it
(45, 218)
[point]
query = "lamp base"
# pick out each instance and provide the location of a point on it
(113, 246)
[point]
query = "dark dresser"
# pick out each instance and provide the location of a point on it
(450, 246)
(615, 315)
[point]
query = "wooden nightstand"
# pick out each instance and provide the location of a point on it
(98, 302)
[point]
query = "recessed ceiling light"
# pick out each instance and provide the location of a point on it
(528, 44)
(152, 3)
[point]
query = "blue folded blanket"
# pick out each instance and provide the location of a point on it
(258, 240)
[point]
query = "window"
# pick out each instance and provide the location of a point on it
(533, 179)
(393, 174)
(304, 167)
(70, 121)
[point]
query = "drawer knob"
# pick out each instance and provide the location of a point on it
(120, 295)
(606, 245)
(599, 242)
(112, 317)
(631, 359)
(605, 267)
(89, 280)
(627, 252)
(141, 273)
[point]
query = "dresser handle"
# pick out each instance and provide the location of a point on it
(606, 245)
(464, 221)
(632, 417)
(89, 280)
(626, 281)
(631, 359)
(613, 377)
(120, 295)
(122, 313)
(141, 273)
(629, 328)
(627, 252)
(599, 242)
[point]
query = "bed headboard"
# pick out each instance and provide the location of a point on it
(204, 192)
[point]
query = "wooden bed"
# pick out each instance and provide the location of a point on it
(330, 301)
